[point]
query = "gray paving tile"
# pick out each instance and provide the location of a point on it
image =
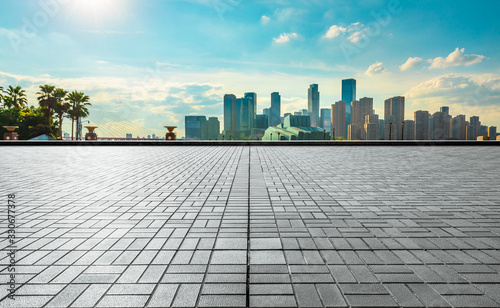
(169, 226)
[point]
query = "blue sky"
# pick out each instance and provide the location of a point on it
(153, 61)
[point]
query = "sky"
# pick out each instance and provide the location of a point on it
(152, 62)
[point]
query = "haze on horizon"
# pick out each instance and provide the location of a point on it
(153, 62)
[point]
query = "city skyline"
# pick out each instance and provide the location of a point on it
(145, 61)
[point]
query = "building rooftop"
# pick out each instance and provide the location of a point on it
(253, 226)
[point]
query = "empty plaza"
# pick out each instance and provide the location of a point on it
(251, 226)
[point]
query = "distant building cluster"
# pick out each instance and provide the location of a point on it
(350, 118)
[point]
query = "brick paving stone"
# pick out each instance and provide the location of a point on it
(186, 226)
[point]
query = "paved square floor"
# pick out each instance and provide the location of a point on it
(253, 226)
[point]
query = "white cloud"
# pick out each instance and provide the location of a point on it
(411, 63)
(375, 69)
(334, 31)
(354, 33)
(456, 58)
(285, 38)
(265, 19)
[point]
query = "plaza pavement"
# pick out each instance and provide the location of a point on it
(253, 226)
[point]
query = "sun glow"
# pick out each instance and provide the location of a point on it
(98, 12)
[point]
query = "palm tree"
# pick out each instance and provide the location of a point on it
(14, 97)
(61, 108)
(78, 107)
(47, 100)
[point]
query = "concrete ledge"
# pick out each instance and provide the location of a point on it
(250, 143)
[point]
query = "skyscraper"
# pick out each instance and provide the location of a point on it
(421, 125)
(196, 127)
(252, 107)
(246, 117)
(439, 124)
(338, 119)
(213, 128)
(313, 104)
(394, 112)
(492, 133)
(474, 122)
(409, 130)
(446, 110)
(275, 109)
(325, 119)
(371, 127)
(459, 128)
(348, 95)
(230, 114)
(360, 109)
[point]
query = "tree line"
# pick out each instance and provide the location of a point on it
(54, 104)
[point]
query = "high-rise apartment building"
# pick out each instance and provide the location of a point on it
(459, 128)
(394, 112)
(421, 125)
(275, 109)
(492, 133)
(313, 105)
(483, 131)
(446, 110)
(360, 109)
(409, 130)
(439, 124)
(371, 127)
(338, 119)
(474, 121)
(348, 95)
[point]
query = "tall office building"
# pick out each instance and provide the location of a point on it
(459, 128)
(439, 121)
(371, 127)
(196, 128)
(252, 107)
(394, 112)
(246, 116)
(348, 95)
(421, 125)
(275, 109)
(230, 114)
(261, 121)
(267, 112)
(325, 119)
(313, 105)
(213, 128)
(338, 119)
(492, 133)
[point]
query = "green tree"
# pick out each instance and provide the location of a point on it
(78, 107)
(14, 97)
(61, 108)
(47, 101)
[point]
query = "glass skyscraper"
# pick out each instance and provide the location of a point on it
(348, 96)
(229, 113)
(196, 127)
(313, 105)
(275, 109)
